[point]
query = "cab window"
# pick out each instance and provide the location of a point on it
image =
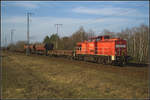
(106, 37)
(79, 47)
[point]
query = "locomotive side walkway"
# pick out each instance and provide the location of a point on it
(49, 77)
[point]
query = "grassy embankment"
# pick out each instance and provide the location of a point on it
(47, 77)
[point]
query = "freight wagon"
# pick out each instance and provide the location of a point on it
(39, 48)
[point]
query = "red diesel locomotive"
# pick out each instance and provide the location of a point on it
(103, 49)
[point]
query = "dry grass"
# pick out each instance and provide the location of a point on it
(48, 77)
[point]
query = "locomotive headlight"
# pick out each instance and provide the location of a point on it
(112, 57)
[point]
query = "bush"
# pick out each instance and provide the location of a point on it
(18, 46)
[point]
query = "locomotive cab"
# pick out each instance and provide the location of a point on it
(99, 38)
(120, 52)
(105, 37)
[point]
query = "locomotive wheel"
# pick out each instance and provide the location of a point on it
(78, 58)
(85, 58)
(113, 63)
(100, 60)
(103, 61)
(107, 61)
(72, 58)
(75, 57)
(95, 59)
(81, 58)
(122, 62)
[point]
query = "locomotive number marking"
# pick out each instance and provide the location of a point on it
(120, 46)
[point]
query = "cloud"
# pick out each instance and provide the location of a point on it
(24, 4)
(14, 19)
(115, 11)
(27, 5)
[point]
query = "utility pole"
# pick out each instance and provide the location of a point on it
(12, 33)
(28, 40)
(57, 26)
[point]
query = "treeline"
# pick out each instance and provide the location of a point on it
(68, 43)
(137, 41)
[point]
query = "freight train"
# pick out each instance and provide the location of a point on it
(100, 49)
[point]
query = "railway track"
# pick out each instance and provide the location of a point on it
(131, 64)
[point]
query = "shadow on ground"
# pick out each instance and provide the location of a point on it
(137, 65)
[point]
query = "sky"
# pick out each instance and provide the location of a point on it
(96, 15)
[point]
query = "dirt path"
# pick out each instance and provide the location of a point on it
(48, 77)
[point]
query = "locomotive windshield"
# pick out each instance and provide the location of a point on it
(98, 39)
(106, 37)
(78, 47)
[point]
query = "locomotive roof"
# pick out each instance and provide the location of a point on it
(96, 37)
